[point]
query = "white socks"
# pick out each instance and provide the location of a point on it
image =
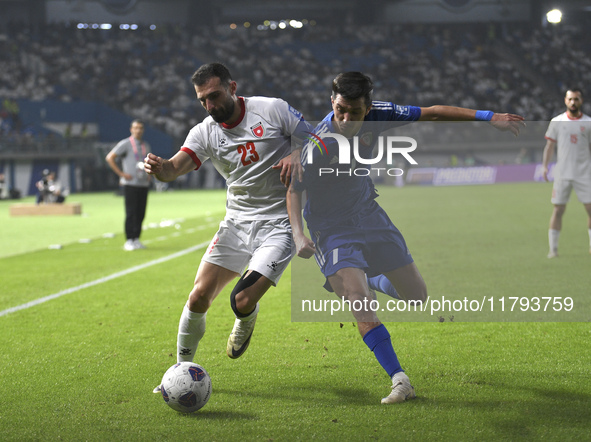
(191, 330)
(553, 236)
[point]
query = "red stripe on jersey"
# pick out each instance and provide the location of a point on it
(551, 139)
(575, 118)
(239, 120)
(193, 156)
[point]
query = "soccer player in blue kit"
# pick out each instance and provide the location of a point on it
(354, 241)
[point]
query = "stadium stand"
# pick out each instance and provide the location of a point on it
(145, 73)
(521, 68)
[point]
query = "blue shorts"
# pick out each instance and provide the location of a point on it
(368, 241)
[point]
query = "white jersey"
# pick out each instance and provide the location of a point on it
(573, 146)
(244, 154)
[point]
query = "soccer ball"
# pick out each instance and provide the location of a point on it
(186, 387)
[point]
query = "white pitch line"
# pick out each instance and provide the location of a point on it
(102, 280)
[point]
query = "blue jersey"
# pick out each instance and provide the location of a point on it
(338, 196)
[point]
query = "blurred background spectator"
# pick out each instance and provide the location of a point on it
(515, 66)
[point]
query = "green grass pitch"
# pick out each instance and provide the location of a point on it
(82, 366)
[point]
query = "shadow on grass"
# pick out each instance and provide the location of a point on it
(327, 395)
(550, 408)
(213, 415)
(528, 412)
(354, 396)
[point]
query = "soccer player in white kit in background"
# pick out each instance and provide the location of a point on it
(570, 135)
(248, 139)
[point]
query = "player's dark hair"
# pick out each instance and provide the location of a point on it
(138, 121)
(352, 86)
(574, 89)
(208, 71)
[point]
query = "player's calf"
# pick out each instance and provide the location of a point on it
(241, 334)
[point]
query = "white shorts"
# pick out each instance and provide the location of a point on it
(562, 189)
(264, 246)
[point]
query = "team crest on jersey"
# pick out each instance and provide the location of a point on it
(366, 139)
(258, 130)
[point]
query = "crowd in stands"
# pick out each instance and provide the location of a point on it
(146, 73)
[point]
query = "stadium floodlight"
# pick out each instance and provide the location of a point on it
(296, 24)
(133, 27)
(554, 16)
(282, 25)
(152, 27)
(106, 26)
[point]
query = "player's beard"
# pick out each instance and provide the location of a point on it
(224, 112)
(574, 111)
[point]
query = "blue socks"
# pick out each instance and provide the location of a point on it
(378, 339)
(382, 284)
(379, 342)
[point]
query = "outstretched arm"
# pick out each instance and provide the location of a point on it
(503, 122)
(168, 170)
(305, 247)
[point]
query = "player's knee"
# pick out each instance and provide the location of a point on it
(559, 209)
(199, 301)
(239, 300)
(416, 292)
(352, 294)
(422, 293)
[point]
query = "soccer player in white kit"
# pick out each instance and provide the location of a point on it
(570, 135)
(248, 139)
